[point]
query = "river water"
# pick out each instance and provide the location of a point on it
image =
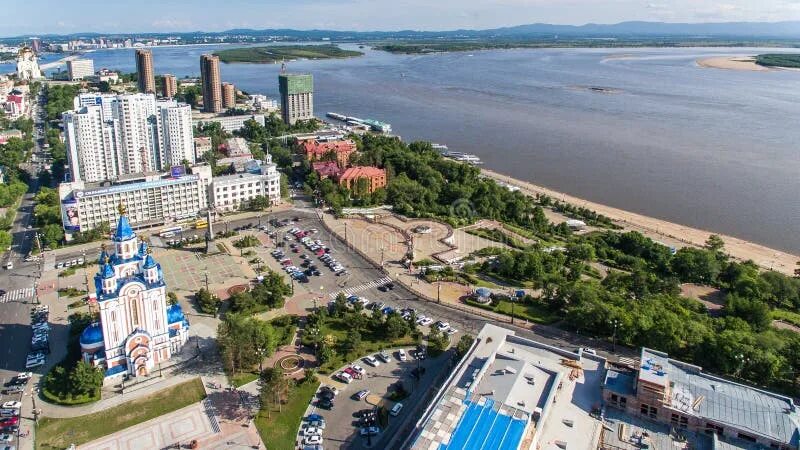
(710, 148)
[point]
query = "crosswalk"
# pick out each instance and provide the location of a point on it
(211, 412)
(361, 287)
(17, 295)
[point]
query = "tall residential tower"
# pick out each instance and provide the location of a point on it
(212, 87)
(297, 97)
(170, 87)
(144, 70)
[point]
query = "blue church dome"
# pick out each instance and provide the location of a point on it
(175, 314)
(124, 231)
(108, 271)
(92, 334)
(149, 262)
(142, 248)
(102, 259)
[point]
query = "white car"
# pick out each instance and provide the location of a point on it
(358, 369)
(312, 440)
(372, 361)
(312, 431)
(451, 331)
(12, 405)
(424, 321)
(344, 377)
(442, 325)
(401, 354)
(24, 375)
(5, 438)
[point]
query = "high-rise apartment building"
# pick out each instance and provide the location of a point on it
(112, 135)
(144, 71)
(297, 97)
(78, 69)
(175, 131)
(36, 45)
(90, 142)
(228, 95)
(212, 88)
(170, 87)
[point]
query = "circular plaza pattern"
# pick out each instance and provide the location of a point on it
(290, 364)
(237, 289)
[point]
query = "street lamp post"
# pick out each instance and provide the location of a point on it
(615, 324)
(438, 292)
(511, 298)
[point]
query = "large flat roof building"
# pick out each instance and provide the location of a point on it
(78, 69)
(229, 123)
(297, 97)
(682, 396)
(146, 80)
(151, 199)
(510, 393)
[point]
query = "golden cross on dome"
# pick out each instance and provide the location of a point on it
(107, 259)
(121, 209)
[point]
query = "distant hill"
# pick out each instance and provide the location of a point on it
(759, 30)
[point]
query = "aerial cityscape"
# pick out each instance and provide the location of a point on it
(449, 226)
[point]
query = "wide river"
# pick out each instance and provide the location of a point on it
(710, 148)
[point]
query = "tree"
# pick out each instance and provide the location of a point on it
(463, 345)
(172, 298)
(714, 243)
(351, 342)
(259, 203)
(5, 240)
(437, 341)
(244, 341)
(274, 388)
(396, 326)
(52, 235)
(85, 378)
(206, 301)
(104, 86)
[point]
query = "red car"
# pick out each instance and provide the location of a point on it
(286, 262)
(320, 252)
(11, 421)
(351, 372)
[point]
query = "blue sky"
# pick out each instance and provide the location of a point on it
(57, 16)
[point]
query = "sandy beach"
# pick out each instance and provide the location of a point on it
(732, 63)
(667, 232)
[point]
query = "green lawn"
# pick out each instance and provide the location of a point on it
(532, 312)
(279, 429)
(60, 433)
(242, 378)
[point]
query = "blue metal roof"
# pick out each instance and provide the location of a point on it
(124, 231)
(108, 271)
(115, 370)
(175, 314)
(92, 334)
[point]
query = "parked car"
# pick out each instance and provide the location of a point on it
(312, 440)
(370, 431)
(424, 321)
(396, 409)
(312, 431)
(12, 405)
(372, 361)
(442, 325)
(320, 424)
(384, 356)
(401, 355)
(9, 412)
(313, 417)
(10, 421)
(350, 372)
(325, 403)
(331, 389)
(358, 369)
(344, 377)
(361, 394)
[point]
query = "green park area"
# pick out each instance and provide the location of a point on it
(273, 54)
(61, 433)
(278, 424)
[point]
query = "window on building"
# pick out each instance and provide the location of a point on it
(713, 428)
(746, 437)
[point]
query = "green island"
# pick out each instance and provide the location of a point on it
(275, 53)
(443, 46)
(779, 60)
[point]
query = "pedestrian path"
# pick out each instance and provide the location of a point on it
(17, 295)
(361, 287)
(211, 412)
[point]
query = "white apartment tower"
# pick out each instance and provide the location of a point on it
(176, 137)
(130, 134)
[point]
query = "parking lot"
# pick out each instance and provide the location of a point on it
(343, 422)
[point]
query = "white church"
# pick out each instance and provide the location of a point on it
(27, 66)
(137, 330)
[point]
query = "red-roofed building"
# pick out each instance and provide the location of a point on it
(326, 169)
(375, 176)
(315, 150)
